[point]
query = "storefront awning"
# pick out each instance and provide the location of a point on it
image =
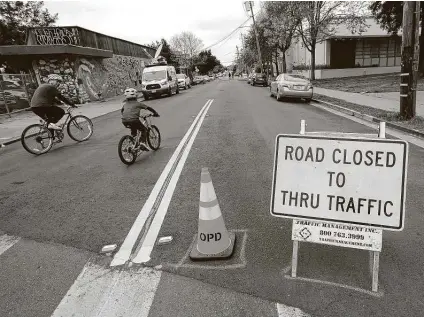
(26, 50)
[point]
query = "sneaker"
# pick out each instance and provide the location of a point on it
(54, 126)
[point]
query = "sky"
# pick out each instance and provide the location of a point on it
(145, 21)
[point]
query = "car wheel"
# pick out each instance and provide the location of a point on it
(177, 91)
(170, 92)
(279, 97)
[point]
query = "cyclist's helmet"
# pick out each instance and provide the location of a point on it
(130, 93)
(55, 77)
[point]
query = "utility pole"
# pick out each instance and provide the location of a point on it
(238, 59)
(410, 58)
(256, 35)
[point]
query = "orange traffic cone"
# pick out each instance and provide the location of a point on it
(213, 240)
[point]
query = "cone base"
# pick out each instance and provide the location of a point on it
(195, 255)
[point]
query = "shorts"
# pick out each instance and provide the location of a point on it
(50, 114)
(135, 125)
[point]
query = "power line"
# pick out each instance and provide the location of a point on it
(229, 35)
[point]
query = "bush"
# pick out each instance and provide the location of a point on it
(307, 67)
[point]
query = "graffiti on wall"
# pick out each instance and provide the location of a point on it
(109, 77)
(51, 36)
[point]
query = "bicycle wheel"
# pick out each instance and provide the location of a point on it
(80, 128)
(37, 139)
(153, 137)
(126, 150)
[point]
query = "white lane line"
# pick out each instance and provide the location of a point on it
(287, 311)
(143, 254)
(6, 242)
(103, 292)
(400, 135)
(124, 253)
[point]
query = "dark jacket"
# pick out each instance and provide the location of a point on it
(46, 95)
(131, 110)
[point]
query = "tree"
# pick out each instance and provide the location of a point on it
(321, 18)
(265, 44)
(17, 16)
(280, 22)
(206, 61)
(166, 52)
(188, 46)
(389, 15)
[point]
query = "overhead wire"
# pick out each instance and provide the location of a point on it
(227, 36)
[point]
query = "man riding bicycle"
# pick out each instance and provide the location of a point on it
(44, 101)
(131, 116)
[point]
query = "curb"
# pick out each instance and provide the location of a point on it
(369, 118)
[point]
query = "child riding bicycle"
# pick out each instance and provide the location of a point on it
(131, 116)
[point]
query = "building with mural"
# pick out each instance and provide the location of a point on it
(92, 64)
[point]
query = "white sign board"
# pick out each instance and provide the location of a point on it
(340, 179)
(342, 235)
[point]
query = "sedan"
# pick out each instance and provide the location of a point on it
(259, 79)
(293, 86)
(183, 81)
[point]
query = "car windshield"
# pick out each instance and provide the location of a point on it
(297, 78)
(180, 76)
(155, 75)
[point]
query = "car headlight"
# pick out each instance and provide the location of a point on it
(309, 87)
(143, 86)
(163, 82)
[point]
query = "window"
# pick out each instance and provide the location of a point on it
(378, 52)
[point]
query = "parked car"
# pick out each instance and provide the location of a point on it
(293, 86)
(198, 80)
(259, 79)
(183, 81)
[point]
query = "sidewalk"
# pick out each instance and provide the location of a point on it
(388, 101)
(11, 128)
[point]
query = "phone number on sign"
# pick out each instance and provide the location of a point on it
(341, 235)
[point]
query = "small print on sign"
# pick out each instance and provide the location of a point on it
(349, 236)
(336, 179)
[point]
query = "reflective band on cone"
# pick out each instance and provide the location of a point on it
(213, 239)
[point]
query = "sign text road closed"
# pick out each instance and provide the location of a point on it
(345, 180)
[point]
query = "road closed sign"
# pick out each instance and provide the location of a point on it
(341, 180)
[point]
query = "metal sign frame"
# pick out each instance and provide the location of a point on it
(374, 255)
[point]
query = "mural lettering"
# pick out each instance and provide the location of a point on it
(54, 36)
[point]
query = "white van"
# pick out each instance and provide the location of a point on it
(159, 80)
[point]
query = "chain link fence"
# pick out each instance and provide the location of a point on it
(16, 91)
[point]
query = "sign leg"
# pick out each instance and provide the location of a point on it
(375, 269)
(294, 258)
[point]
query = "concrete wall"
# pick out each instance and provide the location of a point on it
(348, 72)
(86, 77)
(300, 54)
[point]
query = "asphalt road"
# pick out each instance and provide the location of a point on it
(66, 205)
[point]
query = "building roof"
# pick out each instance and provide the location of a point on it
(373, 30)
(75, 35)
(98, 33)
(13, 50)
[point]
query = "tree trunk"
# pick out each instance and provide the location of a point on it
(284, 63)
(276, 63)
(421, 62)
(313, 60)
